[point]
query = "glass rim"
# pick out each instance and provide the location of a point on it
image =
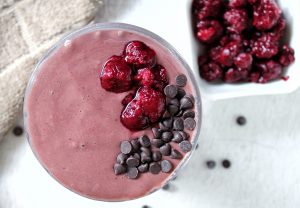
(134, 29)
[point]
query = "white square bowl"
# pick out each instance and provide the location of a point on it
(218, 91)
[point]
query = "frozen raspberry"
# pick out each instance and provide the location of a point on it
(279, 29)
(204, 9)
(139, 54)
(287, 55)
(203, 59)
(236, 20)
(237, 3)
(270, 70)
(235, 75)
(127, 99)
(160, 77)
(266, 14)
(132, 116)
(116, 75)
(144, 77)
(252, 1)
(254, 76)
(264, 46)
(231, 37)
(210, 72)
(243, 60)
(209, 30)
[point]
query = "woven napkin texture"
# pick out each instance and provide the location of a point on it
(27, 29)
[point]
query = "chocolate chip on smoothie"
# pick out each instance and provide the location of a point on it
(146, 150)
(165, 149)
(119, 169)
(188, 114)
(126, 147)
(179, 113)
(177, 137)
(180, 93)
(154, 168)
(132, 162)
(156, 133)
(173, 109)
(135, 145)
(178, 124)
(170, 91)
(168, 123)
(157, 142)
(156, 156)
(184, 135)
(143, 168)
(181, 80)
(175, 154)
(185, 146)
(174, 101)
(167, 136)
(189, 123)
(145, 158)
(132, 173)
(145, 141)
(162, 127)
(166, 166)
(121, 158)
(166, 114)
(186, 103)
(137, 156)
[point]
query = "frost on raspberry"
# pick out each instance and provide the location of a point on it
(235, 75)
(211, 71)
(264, 46)
(236, 20)
(270, 70)
(204, 9)
(209, 30)
(287, 55)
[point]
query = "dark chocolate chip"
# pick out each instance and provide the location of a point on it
(173, 109)
(179, 113)
(226, 163)
(145, 141)
(177, 137)
(189, 123)
(135, 145)
(146, 150)
(166, 187)
(186, 103)
(154, 168)
(18, 131)
(175, 154)
(126, 147)
(162, 127)
(188, 114)
(121, 158)
(178, 124)
(132, 173)
(156, 133)
(119, 169)
(156, 156)
(166, 166)
(145, 158)
(170, 91)
(180, 93)
(185, 146)
(181, 80)
(137, 156)
(145, 206)
(241, 120)
(167, 136)
(143, 168)
(168, 123)
(166, 114)
(157, 142)
(210, 164)
(184, 135)
(191, 97)
(165, 149)
(132, 162)
(174, 101)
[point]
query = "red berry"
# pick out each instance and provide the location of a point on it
(270, 70)
(235, 75)
(243, 60)
(207, 8)
(287, 55)
(252, 1)
(144, 77)
(203, 59)
(264, 46)
(210, 72)
(237, 3)
(254, 76)
(116, 75)
(209, 30)
(139, 54)
(266, 14)
(278, 30)
(236, 19)
(160, 77)
(127, 99)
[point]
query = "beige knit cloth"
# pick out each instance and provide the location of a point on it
(27, 29)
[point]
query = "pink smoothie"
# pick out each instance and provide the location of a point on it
(74, 125)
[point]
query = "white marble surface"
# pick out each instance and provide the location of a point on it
(264, 153)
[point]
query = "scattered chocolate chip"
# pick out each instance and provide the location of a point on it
(132, 173)
(241, 120)
(188, 114)
(154, 168)
(143, 168)
(156, 133)
(167, 136)
(162, 126)
(132, 162)
(18, 131)
(157, 142)
(119, 169)
(170, 91)
(173, 109)
(226, 163)
(121, 158)
(178, 124)
(197, 146)
(186, 103)
(135, 145)
(180, 93)
(181, 80)
(145, 141)
(166, 114)
(189, 123)
(185, 146)
(168, 123)
(175, 154)
(165, 149)
(137, 156)
(146, 150)
(177, 137)
(126, 147)
(166, 187)
(174, 101)
(184, 135)
(210, 164)
(145, 158)
(145, 206)
(156, 156)
(179, 113)
(166, 166)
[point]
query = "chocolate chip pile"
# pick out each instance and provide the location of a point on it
(140, 155)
